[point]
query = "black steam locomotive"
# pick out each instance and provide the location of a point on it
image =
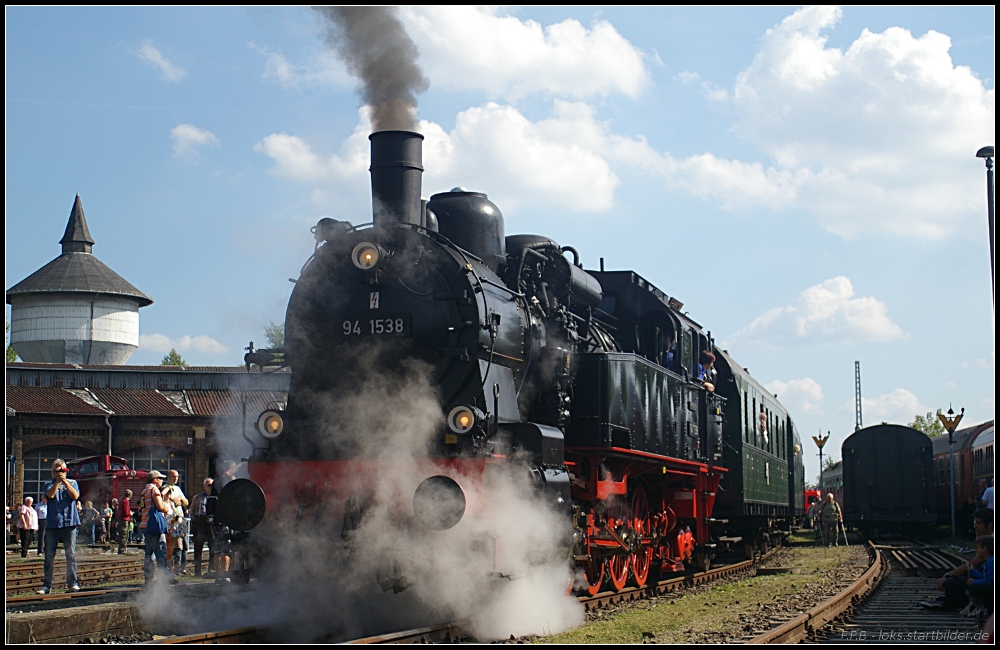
(431, 354)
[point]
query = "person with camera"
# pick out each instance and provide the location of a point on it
(62, 524)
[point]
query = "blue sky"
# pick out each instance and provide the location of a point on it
(804, 180)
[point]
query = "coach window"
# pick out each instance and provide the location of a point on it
(746, 420)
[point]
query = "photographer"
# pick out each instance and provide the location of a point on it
(62, 524)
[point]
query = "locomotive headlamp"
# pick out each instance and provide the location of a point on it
(366, 255)
(463, 418)
(270, 424)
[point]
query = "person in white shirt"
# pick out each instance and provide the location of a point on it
(174, 496)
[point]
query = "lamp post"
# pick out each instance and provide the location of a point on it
(820, 441)
(986, 153)
(950, 423)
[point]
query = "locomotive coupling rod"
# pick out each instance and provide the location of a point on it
(616, 538)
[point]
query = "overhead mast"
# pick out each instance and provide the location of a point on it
(857, 396)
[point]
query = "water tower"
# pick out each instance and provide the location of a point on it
(75, 309)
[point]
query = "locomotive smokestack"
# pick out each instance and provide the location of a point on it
(397, 164)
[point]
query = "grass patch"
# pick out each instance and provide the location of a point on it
(724, 609)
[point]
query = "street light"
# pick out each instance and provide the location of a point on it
(950, 423)
(986, 153)
(820, 441)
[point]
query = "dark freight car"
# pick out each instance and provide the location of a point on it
(888, 472)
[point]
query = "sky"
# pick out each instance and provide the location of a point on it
(804, 180)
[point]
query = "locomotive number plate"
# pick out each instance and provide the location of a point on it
(388, 326)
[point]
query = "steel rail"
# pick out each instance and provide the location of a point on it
(252, 634)
(818, 617)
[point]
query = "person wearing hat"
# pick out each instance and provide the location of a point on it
(202, 520)
(155, 543)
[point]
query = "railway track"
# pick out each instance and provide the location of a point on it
(254, 634)
(893, 614)
(671, 584)
(452, 632)
(28, 577)
(882, 606)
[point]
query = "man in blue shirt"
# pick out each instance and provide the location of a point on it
(62, 523)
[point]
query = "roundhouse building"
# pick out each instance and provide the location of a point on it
(156, 417)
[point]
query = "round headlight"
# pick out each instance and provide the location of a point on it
(366, 255)
(462, 419)
(270, 424)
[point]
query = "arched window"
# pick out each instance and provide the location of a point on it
(162, 459)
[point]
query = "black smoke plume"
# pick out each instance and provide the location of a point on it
(377, 50)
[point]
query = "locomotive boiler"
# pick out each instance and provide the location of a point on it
(432, 358)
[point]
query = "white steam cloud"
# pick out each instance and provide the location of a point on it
(503, 569)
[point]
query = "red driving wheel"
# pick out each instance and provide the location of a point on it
(642, 527)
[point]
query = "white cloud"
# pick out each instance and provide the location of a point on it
(325, 69)
(827, 313)
(156, 342)
(874, 138)
(568, 159)
(476, 48)
(552, 161)
(188, 138)
(897, 407)
(295, 158)
(797, 395)
(163, 343)
(155, 58)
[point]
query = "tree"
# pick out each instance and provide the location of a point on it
(275, 334)
(11, 355)
(173, 358)
(930, 424)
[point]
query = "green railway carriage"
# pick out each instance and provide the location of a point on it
(762, 492)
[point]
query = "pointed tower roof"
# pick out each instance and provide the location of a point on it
(77, 237)
(77, 270)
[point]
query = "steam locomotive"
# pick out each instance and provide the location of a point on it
(432, 357)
